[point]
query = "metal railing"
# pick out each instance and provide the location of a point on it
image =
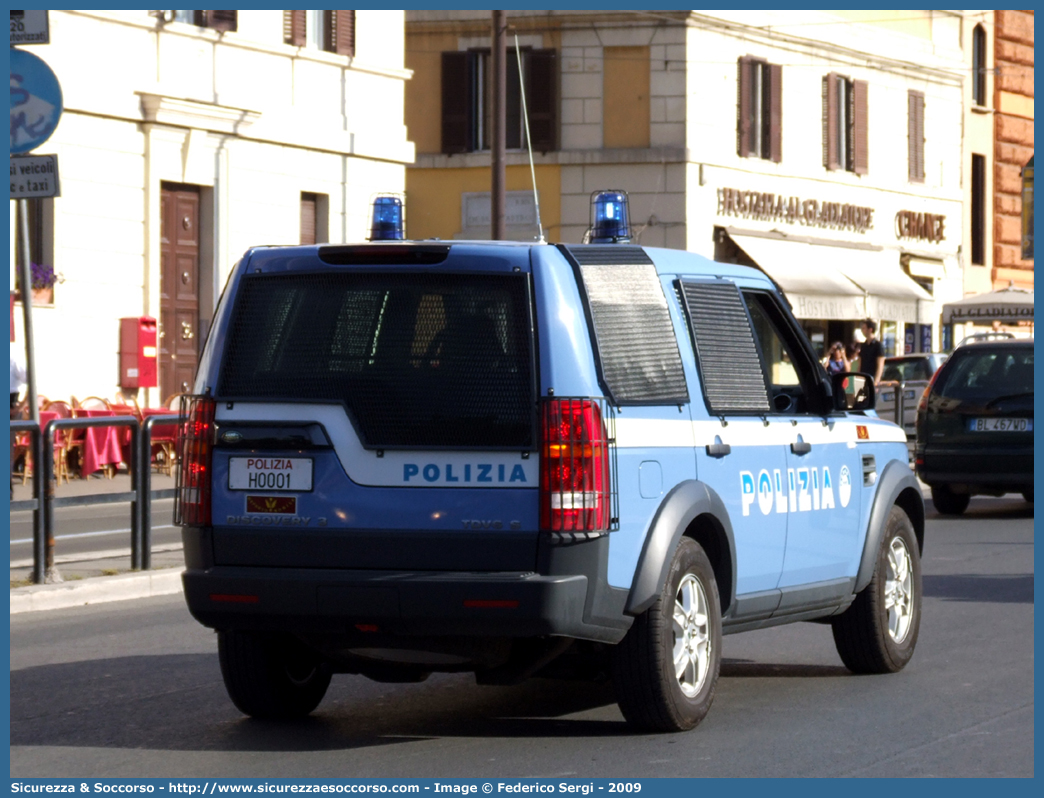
(140, 495)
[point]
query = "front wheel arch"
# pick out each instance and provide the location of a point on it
(896, 486)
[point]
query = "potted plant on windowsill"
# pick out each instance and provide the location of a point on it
(43, 278)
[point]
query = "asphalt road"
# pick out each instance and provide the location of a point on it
(92, 529)
(134, 689)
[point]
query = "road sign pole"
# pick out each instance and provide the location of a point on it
(27, 311)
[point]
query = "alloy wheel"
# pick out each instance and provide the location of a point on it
(692, 643)
(898, 591)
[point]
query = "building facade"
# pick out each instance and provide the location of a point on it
(186, 137)
(823, 147)
(978, 39)
(1013, 147)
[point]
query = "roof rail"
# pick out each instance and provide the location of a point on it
(985, 336)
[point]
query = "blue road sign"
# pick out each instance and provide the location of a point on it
(36, 101)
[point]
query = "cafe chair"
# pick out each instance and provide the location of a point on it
(66, 441)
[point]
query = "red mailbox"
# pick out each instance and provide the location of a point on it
(138, 353)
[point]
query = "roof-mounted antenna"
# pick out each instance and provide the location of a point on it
(529, 142)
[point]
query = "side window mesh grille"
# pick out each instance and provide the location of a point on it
(726, 352)
(420, 360)
(634, 337)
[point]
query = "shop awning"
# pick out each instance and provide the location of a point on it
(815, 288)
(1008, 305)
(826, 282)
(890, 293)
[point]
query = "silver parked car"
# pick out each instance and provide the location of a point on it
(914, 372)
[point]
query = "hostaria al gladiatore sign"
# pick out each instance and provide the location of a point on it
(766, 206)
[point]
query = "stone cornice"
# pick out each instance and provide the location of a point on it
(179, 112)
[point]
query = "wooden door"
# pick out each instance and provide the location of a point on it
(179, 288)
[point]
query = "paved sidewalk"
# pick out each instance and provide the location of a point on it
(96, 590)
(77, 567)
(94, 484)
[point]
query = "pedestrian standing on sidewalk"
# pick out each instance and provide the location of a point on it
(871, 354)
(836, 359)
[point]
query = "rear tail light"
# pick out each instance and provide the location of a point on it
(575, 480)
(923, 404)
(195, 449)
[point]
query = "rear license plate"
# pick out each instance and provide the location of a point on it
(1000, 424)
(270, 473)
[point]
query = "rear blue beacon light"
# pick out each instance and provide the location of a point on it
(387, 219)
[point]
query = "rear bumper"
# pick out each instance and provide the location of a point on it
(990, 468)
(394, 602)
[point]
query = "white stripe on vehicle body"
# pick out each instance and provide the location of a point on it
(397, 468)
(751, 431)
(500, 469)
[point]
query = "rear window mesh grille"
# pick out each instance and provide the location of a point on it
(637, 351)
(726, 352)
(420, 360)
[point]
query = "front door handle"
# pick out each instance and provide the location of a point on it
(718, 449)
(801, 447)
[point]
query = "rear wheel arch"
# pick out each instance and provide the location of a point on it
(708, 531)
(691, 509)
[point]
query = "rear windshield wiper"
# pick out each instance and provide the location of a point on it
(1009, 396)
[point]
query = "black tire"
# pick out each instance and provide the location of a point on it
(649, 692)
(1028, 495)
(862, 633)
(271, 675)
(947, 502)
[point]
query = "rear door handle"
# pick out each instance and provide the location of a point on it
(801, 447)
(718, 449)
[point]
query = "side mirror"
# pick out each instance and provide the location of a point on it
(853, 391)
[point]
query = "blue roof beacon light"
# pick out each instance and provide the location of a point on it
(387, 218)
(611, 219)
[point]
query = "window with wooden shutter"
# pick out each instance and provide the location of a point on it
(542, 99)
(860, 128)
(40, 219)
(514, 135)
(830, 119)
(915, 135)
(467, 100)
(456, 103)
(978, 210)
(775, 115)
(743, 104)
(843, 132)
(294, 28)
(759, 114)
(979, 65)
(480, 71)
(308, 213)
(845, 124)
(220, 20)
(341, 32)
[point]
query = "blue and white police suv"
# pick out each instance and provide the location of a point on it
(577, 461)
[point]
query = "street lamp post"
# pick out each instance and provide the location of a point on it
(498, 64)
